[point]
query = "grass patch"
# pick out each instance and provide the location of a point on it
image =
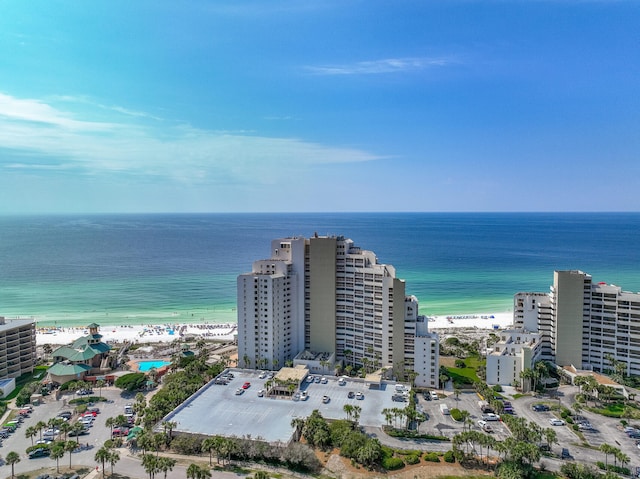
(463, 375)
(37, 374)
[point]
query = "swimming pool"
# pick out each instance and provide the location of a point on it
(144, 366)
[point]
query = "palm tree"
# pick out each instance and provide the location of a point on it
(165, 465)
(298, 424)
(194, 471)
(77, 428)
(356, 414)
(102, 455)
(70, 446)
(550, 436)
(114, 457)
(56, 452)
(607, 449)
(168, 426)
(65, 427)
(100, 383)
(30, 433)
(40, 425)
(12, 459)
(526, 374)
(348, 409)
(150, 464)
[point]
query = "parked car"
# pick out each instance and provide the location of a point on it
(326, 399)
(543, 446)
(486, 427)
(261, 393)
(540, 407)
(120, 431)
(565, 453)
(40, 452)
(262, 375)
(359, 395)
(490, 417)
(239, 391)
(78, 432)
(351, 394)
(304, 396)
(324, 380)
(310, 378)
(66, 414)
(246, 385)
(556, 422)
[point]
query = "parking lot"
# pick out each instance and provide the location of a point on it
(98, 432)
(444, 425)
(217, 410)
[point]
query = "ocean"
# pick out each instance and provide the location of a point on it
(175, 268)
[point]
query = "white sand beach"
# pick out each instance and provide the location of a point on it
(150, 333)
(226, 332)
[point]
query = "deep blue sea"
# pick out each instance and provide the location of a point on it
(118, 269)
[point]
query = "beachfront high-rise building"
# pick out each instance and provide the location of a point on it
(17, 347)
(325, 294)
(583, 324)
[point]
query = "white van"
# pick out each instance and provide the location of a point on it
(434, 395)
(444, 409)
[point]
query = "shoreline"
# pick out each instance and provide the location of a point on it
(169, 331)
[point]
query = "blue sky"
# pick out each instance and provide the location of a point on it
(228, 106)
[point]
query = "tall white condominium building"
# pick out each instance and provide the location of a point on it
(324, 294)
(17, 347)
(584, 324)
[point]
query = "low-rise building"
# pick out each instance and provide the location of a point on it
(86, 356)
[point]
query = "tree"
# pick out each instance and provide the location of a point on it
(40, 425)
(30, 433)
(110, 422)
(607, 449)
(12, 459)
(70, 446)
(114, 457)
(100, 383)
(297, 424)
(102, 456)
(165, 465)
(77, 428)
(194, 471)
(65, 427)
(150, 464)
(56, 452)
(260, 475)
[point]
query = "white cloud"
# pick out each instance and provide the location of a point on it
(387, 65)
(58, 140)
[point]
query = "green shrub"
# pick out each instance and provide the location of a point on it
(431, 457)
(456, 414)
(497, 388)
(392, 463)
(449, 456)
(131, 381)
(412, 459)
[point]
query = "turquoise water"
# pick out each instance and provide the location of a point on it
(168, 269)
(144, 366)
